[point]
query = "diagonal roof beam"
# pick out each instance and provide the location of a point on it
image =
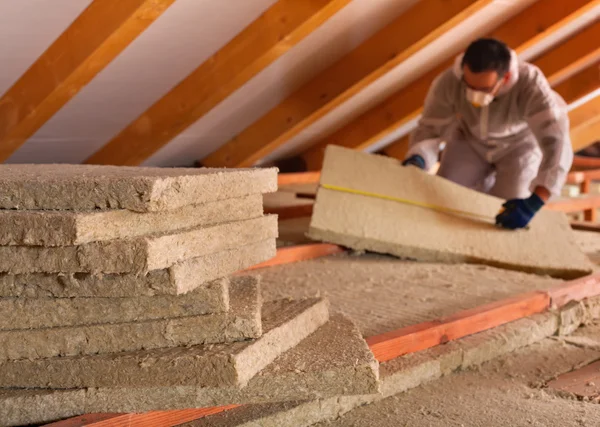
(100, 33)
(585, 124)
(585, 114)
(274, 33)
(424, 22)
(523, 31)
(581, 84)
(556, 64)
(586, 135)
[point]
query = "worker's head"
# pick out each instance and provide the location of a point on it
(485, 65)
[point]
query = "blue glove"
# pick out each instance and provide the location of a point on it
(517, 213)
(415, 160)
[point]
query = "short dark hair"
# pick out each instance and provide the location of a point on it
(487, 55)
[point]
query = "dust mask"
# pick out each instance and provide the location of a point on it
(478, 98)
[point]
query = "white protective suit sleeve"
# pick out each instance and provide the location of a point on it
(548, 118)
(439, 111)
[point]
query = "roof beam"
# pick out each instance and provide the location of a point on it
(572, 55)
(275, 32)
(100, 33)
(581, 84)
(577, 86)
(586, 135)
(424, 22)
(585, 124)
(523, 31)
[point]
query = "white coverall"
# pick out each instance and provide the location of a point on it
(518, 142)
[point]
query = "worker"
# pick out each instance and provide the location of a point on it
(506, 132)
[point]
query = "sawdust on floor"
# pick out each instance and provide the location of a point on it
(508, 391)
(383, 293)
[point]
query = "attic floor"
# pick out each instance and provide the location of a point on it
(507, 391)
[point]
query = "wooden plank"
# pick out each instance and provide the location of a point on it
(583, 382)
(423, 23)
(585, 113)
(582, 162)
(148, 419)
(274, 33)
(298, 178)
(580, 84)
(574, 204)
(575, 290)
(536, 22)
(586, 134)
(297, 253)
(572, 55)
(100, 33)
(398, 149)
(289, 212)
(414, 338)
(585, 226)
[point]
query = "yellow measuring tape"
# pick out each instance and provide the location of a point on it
(407, 202)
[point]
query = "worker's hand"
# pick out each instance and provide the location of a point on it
(415, 160)
(517, 213)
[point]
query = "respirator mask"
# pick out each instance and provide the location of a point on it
(478, 98)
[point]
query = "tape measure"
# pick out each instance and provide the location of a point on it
(430, 206)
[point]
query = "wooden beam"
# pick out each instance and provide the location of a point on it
(586, 135)
(575, 290)
(521, 32)
(583, 162)
(399, 148)
(100, 33)
(583, 382)
(290, 212)
(147, 419)
(585, 226)
(572, 55)
(575, 204)
(423, 23)
(419, 337)
(584, 82)
(274, 33)
(298, 178)
(578, 85)
(297, 253)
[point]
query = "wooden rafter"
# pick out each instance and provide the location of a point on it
(521, 32)
(420, 25)
(572, 55)
(275, 32)
(586, 133)
(581, 84)
(585, 113)
(577, 86)
(86, 47)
